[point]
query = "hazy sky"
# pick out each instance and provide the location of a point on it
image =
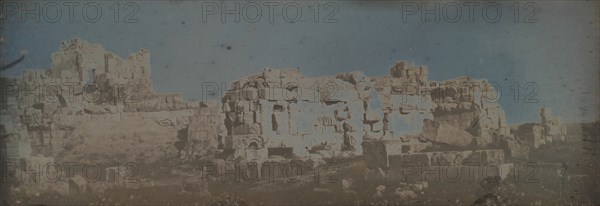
(559, 52)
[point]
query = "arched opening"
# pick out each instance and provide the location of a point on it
(253, 145)
(278, 108)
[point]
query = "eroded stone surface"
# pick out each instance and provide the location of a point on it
(97, 107)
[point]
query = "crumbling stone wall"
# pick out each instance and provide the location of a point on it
(282, 108)
(81, 61)
(203, 132)
(327, 116)
(464, 113)
(332, 115)
(85, 84)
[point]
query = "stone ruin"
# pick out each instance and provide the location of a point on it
(548, 130)
(86, 83)
(92, 103)
(277, 112)
(389, 120)
(332, 116)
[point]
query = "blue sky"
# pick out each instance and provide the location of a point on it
(559, 52)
